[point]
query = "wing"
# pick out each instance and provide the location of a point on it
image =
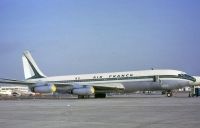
(13, 81)
(108, 87)
(99, 88)
(68, 87)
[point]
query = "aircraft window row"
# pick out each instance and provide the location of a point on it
(168, 76)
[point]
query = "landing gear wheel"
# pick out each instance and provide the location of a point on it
(169, 94)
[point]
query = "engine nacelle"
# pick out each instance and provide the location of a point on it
(83, 91)
(45, 88)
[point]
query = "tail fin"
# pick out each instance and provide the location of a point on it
(31, 70)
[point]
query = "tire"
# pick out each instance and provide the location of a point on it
(169, 94)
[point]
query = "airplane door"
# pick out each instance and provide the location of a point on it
(157, 82)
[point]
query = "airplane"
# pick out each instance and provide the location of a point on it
(86, 85)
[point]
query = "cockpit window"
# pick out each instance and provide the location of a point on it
(188, 77)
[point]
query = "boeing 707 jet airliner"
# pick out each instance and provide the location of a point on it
(99, 84)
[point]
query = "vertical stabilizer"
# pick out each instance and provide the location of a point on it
(31, 70)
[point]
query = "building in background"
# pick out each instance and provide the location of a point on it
(14, 90)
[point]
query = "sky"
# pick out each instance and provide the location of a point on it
(88, 36)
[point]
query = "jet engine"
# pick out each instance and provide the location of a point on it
(45, 88)
(83, 91)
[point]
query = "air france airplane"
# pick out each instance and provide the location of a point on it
(99, 84)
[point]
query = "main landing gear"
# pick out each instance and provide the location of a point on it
(169, 93)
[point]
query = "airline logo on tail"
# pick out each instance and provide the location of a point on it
(31, 70)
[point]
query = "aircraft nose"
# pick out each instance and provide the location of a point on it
(197, 82)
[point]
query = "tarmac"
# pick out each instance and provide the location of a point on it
(132, 111)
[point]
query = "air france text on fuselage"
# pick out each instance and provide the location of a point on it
(109, 76)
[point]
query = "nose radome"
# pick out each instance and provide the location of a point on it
(197, 82)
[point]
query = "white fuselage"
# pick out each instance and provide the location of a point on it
(130, 81)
